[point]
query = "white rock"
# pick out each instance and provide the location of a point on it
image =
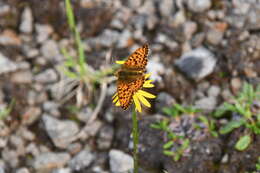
(120, 162)
(6, 65)
(62, 133)
(26, 25)
(199, 5)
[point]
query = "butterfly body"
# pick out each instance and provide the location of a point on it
(131, 76)
(128, 74)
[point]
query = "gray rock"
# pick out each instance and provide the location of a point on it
(50, 51)
(120, 162)
(74, 148)
(226, 94)
(62, 170)
(105, 137)
(214, 91)
(29, 51)
(179, 18)
(156, 69)
(26, 25)
(107, 38)
(253, 18)
(31, 115)
(189, 28)
(43, 32)
(214, 36)
(199, 5)
(62, 133)
(85, 114)
(117, 24)
(50, 160)
(197, 63)
(165, 40)
(206, 103)
(246, 12)
(47, 76)
(124, 39)
(6, 65)
(93, 128)
(22, 77)
(134, 3)
(3, 142)
(164, 100)
(33, 149)
(22, 170)
(51, 108)
(26, 134)
(12, 155)
(81, 160)
(18, 143)
(2, 166)
(166, 8)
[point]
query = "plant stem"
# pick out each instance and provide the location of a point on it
(136, 140)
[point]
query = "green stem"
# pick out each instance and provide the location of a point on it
(136, 140)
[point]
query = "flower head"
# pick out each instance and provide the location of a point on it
(139, 96)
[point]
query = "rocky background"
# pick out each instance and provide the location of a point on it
(201, 52)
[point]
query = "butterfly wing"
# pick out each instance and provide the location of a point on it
(138, 59)
(126, 90)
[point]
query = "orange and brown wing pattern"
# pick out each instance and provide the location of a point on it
(138, 59)
(126, 90)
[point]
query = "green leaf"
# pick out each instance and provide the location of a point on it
(240, 109)
(168, 153)
(214, 133)
(167, 111)
(243, 143)
(70, 15)
(185, 144)
(177, 157)
(155, 126)
(180, 108)
(204, 120)
(231, 126)
(223, 109)
(69, 73)
(168, 145)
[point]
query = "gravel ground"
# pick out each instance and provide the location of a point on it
(201, 52)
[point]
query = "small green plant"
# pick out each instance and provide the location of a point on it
(175, 145)
(6, 111)
(177, 109)
(77, 68)
(247, 116)
(210, 123)
(168, 150)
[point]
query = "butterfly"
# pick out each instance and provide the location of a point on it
(131, 76)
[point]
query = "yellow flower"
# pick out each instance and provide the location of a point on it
(140, 95)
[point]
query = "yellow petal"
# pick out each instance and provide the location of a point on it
(143, 100)
(115, 99)
(147, 75)
(120, 62)
(114, 95)
(147, 84)
(117, 103)
(146, 94)
(137, 103)
(148, 81)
